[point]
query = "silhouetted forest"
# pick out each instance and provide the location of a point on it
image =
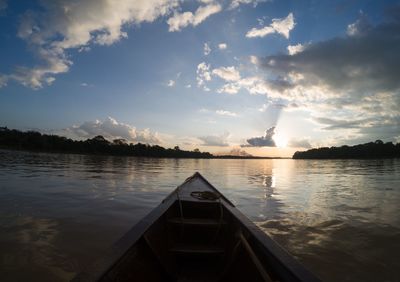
(35, 141)
(371, 150)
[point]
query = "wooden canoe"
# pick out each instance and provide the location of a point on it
(196, 234)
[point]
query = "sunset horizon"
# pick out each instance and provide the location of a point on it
(199, 140)
(272, 79)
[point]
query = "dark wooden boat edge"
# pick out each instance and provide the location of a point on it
(284, 263)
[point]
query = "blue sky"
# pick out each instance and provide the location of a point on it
(265, 77)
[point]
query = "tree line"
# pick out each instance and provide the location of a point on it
(35, 141)
(371, 150)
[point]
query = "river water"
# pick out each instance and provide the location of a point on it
(59, 212)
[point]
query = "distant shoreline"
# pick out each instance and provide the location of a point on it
(371, 150)
(105, 155)
(32, 141)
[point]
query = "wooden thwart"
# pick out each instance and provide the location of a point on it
(195, 221)
(197, 249)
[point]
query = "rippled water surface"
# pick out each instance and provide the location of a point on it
(340, 218)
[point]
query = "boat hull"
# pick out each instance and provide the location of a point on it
(196, 234)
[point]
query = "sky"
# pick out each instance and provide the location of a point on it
(265, 78)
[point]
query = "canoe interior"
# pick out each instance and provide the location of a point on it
(187, 239)
(205, 247)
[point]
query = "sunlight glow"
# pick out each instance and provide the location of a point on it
(281, 140)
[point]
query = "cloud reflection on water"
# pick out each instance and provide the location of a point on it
(340, 215)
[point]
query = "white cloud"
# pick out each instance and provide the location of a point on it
(181, 20)
(203, 74)
(55, 62)
(230, 88)
(236, 3)
(227, 73)
(3, 80)
(84, 49)
(206, 1)
(280, 26)
(85, 84)
(62, 25)
(254, 60)
(275, 89)
(254, 32)
(215, 140)
(171, 83)
(254, 85)
(222, 46)
(112, 129)
(294, 49)
(188, 86)
(359, 27)
(261, 20)
(206, 49)
(225, 113)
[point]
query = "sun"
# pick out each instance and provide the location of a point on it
(281, 140)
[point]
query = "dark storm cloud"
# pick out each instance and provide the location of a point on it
(365, 60)
(332, 124)
(263, 141)
(385, 128)
(352, 82)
